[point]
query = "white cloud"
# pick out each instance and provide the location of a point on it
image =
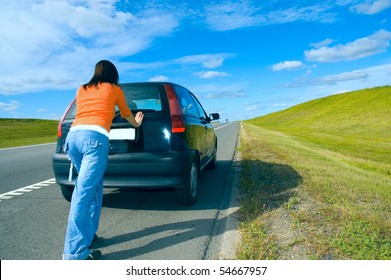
(11, 106)
(253, 108)
(203, 60)
(210, 74)
(232, 15)
(323, 43)
(59, 42)
(159, 78)
(314, 13)
(329, 79)
(281, 104)
(213, 63)
(216, 90)
(287, 65)
(378, 75)
(134, 66)
(371, 7)
(376, 43)
(347, 76)
(206, 60)
(226, 94)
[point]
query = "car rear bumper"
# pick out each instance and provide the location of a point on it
(135, 170)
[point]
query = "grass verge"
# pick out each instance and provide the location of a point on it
(21, 132)
(301, 200)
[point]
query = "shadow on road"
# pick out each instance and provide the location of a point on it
(179, 232)
(212, 186)
(268, 185)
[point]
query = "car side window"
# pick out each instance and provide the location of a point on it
(201, 110)
(187, 103)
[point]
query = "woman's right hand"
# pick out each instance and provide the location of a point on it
(139, 118)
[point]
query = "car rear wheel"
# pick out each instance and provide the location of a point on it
(67, 192)
(188, 194)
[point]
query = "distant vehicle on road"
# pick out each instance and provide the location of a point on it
(175, 143)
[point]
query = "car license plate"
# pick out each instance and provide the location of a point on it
(122, 134)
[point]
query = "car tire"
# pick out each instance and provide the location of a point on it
(188, 194)
(67, 192)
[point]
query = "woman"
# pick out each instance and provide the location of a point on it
(87, 144)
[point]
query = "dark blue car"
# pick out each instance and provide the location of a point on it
(175, 143)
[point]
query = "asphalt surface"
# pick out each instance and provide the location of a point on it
(134, 224)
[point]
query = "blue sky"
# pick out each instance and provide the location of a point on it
(242, 59)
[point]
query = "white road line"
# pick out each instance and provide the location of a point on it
(30, 146)
(223, 126)
(30, 188)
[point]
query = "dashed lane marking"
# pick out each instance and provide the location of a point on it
(30, 188)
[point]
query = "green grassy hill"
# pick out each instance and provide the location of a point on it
(316, 179)
(20, 132)
(356, 123)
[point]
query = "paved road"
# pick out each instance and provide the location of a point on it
(134, 224)
(24, 166)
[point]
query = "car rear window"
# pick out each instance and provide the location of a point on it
(142, 97)
(138, 97)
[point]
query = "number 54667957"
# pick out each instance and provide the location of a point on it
(243, 270)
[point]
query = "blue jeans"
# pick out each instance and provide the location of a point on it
(88, 151)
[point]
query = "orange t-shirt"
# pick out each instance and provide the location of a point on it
(96, 105)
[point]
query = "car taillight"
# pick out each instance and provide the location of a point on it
(177, 122)
(59, 128)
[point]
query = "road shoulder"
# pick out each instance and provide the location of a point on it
(224, 246)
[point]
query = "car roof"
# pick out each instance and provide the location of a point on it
(148, 83)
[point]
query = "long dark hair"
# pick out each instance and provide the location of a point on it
(105, 72)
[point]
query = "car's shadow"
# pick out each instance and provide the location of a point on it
(212, 186)
(181, 232)
(275, 180)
